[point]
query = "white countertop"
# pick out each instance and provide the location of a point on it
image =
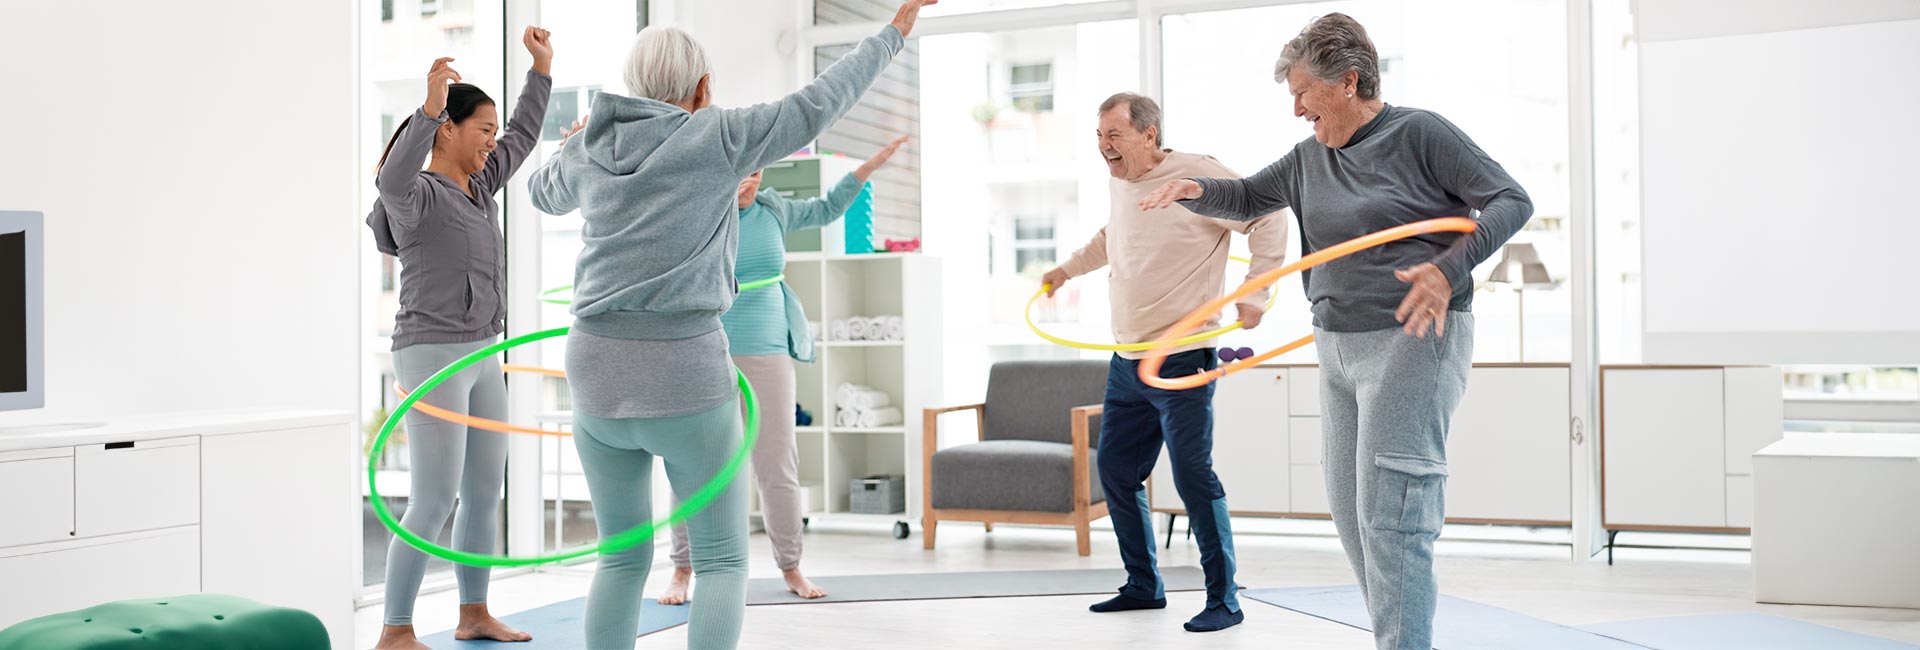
(49, 432)
(1844, 445)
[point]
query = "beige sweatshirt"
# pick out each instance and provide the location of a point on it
(1168, 262)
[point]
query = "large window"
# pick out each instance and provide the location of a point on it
(1013, 181)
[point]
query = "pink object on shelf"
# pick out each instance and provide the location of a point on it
(908, 246)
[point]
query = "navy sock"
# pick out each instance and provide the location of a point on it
(1215, 618)
(1123, 602)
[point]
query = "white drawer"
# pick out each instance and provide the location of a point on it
(1740, 502)
(1303, 391)
(1309, 490)
(38, 502)
(165, 563)
(1304, 443)
(126, 487)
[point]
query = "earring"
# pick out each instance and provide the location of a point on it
(1349, 95)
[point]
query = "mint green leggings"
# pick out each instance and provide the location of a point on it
(617, 455)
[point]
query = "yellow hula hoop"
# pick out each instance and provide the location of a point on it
(1134, 347)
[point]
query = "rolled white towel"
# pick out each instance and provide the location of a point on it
(881, 417)
(876, 328)
(866, 399)
(844, 393)
(895, 328)
(839, 330)
(858, 328)
(846, 418)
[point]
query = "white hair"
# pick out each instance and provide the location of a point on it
(666, 64)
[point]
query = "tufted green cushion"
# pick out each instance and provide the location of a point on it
(197, 622)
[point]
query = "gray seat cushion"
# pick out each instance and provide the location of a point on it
(1034, 400)
(1009, 475)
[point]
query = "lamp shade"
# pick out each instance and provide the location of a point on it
(1520, 264)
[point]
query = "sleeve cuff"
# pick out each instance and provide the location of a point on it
(422, 114)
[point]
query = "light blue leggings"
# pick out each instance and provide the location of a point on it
(617, 455)
(449, 459)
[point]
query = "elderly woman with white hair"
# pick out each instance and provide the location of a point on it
(1387, 388)
(655, 177)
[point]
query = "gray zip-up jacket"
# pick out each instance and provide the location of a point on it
(453, 276)
(657, 187)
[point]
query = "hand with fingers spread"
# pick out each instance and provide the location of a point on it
(1174, 190)
(437, 80)
(1425, 306)
(908, 14)
(879, 159)
(540, 45)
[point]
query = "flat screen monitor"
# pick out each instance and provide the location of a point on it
(22, 286)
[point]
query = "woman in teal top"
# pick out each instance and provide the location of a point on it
(766, 331)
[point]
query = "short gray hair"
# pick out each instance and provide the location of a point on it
(1330, 46)
(666, 64)
(1142, 111)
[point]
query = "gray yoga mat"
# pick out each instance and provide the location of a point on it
(1458, 624)
(563, 624)
(1744, 631)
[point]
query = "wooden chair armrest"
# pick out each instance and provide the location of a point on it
(950, 409)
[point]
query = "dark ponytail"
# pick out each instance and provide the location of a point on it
(462, 100)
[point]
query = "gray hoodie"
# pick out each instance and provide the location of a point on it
(656, 186)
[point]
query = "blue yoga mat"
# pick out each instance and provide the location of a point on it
(1746, 631)
(1458, 624)
(560, 626)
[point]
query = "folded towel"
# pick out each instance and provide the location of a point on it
(844, 392)
(894, 328)
(880, 417)
(865, 399)
(838, 331)
(846, 418)
(858, 328)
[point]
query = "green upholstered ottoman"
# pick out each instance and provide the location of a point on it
(199, 622)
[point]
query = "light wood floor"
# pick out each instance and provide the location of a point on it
(1533, 578)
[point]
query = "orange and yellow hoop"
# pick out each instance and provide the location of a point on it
(484, 423)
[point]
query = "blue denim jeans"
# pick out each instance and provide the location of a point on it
(1137, 419)
(1386, 399)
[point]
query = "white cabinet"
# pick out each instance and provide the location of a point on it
(37, 501)
(264, 499)
(137, 565)
(1677, 444)
(123, 487)
(1509, 458)
(1509, 453)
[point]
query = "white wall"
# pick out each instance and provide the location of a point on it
(194, 161)
(1775, 229)
(753, 50)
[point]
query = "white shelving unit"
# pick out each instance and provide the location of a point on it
(834, 287)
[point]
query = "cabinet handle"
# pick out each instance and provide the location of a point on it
(120, 445)
(1579, 431)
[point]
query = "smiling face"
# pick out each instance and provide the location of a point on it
(468, 143)
(1130, 153)
(1331, 108)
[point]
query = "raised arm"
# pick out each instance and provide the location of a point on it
(529, 114)
(401, 189)
(1235, 199)
(817, 213)
(756, 136)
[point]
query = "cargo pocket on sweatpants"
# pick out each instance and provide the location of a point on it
(1407, 494)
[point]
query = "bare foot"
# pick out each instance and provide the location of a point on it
(399, 637)
(801, 586)
(476, 623)
(677, 588)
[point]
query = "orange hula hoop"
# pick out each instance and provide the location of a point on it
(1156, 357)
(484, 423)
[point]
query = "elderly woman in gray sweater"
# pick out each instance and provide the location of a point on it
(1392, 324)
(655, 176)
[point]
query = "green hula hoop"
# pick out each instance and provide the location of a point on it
(624, 540)
(544, 295)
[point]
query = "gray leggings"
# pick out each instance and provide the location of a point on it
(617, 455)
(449, 458)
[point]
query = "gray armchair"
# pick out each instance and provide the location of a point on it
(1033, 463)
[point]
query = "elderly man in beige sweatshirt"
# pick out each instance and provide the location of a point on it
(1163, 264)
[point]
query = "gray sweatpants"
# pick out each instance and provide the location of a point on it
(1386, 400)
(776, 460)
(617, 455)
(447, 459)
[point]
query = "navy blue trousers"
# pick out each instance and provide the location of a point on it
(1138, 419)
